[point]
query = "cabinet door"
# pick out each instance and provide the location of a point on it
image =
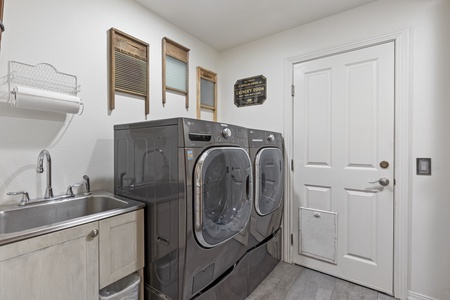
(59, 265)
(121, 246)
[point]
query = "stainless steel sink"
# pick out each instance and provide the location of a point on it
(18, 223)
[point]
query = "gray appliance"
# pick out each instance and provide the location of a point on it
(264, 247)
(196, 180)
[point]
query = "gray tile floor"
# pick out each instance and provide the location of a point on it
(289, 282)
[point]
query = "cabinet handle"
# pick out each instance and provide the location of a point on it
(94, 233)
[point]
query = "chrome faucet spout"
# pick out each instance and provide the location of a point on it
(40, 169)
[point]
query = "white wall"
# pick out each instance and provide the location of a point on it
(428, 22)
(73, 37)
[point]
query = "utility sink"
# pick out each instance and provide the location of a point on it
(17, 223)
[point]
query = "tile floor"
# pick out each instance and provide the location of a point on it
(289, 282)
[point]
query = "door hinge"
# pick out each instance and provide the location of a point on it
(292, 239)
(292, 90)
(292, 165)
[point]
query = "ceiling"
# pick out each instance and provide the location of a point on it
(224, 24)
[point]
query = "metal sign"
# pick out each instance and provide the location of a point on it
(250, 91)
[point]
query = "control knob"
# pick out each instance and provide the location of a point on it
(271, 138)
(226, 132)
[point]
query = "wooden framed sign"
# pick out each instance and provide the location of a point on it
(250, 91)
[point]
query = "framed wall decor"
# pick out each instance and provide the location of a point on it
(206, 92)
(250, 91)
(175, 69)
(129, 67)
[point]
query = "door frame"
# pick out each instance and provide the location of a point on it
(402, 155)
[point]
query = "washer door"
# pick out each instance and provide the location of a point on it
(269, 181)
(223, 194)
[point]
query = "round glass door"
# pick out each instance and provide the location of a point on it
(223, 194)
(269, 170)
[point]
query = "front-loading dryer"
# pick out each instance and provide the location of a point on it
(264, 247)
(266, 153)
(196, 180)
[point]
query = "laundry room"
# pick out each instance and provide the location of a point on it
(386, 230)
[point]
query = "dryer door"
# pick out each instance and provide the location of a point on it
(269, 170)
(223, 194)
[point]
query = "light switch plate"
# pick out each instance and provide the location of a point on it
(423, 166)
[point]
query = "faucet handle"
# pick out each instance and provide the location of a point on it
(70, 192)
(25, 197)
(87, 185)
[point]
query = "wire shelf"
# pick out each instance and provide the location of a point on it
(41, 76)
(41, 87)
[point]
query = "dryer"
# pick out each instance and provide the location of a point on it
(264, 249)
(196, 180)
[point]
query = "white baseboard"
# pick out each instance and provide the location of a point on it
(416, 296)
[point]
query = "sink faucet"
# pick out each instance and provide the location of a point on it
(49, 190)
(40, 169)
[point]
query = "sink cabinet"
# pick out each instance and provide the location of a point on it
(73, 263)
(59, 265)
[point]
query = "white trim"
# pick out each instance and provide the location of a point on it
(402, 149)
(417, 296)
(288, 149)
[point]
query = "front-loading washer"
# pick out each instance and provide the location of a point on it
(196, 180)
(264, 247)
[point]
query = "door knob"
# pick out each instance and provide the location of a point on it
(383, 181)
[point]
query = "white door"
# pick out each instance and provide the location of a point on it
(344, 165)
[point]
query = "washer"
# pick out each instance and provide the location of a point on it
(264, 250)
(196, 180)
